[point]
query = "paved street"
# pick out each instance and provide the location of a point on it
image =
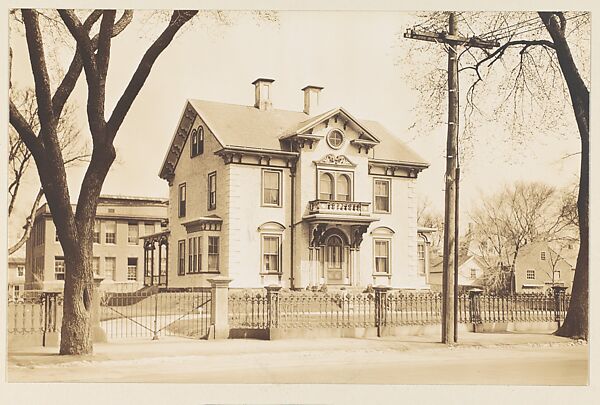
(479, 359)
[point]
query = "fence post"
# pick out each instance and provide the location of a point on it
(559, 292)
(98, 334)
(219, 307)
(380, 304)
(474, 307)
(49, 306)
(273, 306)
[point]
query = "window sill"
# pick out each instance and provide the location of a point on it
(382, 212)
(270, 273)
(382, 275)
(271, 205)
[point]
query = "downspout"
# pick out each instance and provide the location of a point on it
(293, 224)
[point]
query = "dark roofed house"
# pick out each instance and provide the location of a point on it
(267, 196)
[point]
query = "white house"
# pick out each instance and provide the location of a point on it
(267, 196)
(471, 273)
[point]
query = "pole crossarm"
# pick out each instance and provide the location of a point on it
(444, 37)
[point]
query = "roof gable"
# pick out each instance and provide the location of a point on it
(236, 126)
(309, 124)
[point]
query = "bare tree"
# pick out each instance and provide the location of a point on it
(19, 156)
(541, 82)
(507, 221)
(75, 229)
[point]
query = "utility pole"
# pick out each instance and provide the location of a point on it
(450, 264)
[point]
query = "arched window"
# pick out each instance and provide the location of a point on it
(326, 187)
(343, 188)
(200, 140)
(194, 143)
(197, 143)
(334, 252)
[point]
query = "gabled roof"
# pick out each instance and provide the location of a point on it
(246, 126)
(436, 266)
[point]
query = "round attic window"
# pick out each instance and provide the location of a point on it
(335, 139)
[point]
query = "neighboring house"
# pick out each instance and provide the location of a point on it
(16, 276)
(538, 267)
(471, 272)
(267, 196)
(118, 251)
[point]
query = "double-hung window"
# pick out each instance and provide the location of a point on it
(195, 254)
(382, 195)
(212, 191)
(110, 232)
(271, 195)
(97, 231)
(530, 274)
(96, 266)
(213, 253)
(182, 198)
(133, 233)
(132, 268)
(110, 268)
(59, 268)
(181, 258)
(382, 256)
(271, 253)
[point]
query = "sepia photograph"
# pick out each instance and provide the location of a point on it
(346, 197)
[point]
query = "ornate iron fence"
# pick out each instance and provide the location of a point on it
(310, 310)
(150, 313)
(34, 312)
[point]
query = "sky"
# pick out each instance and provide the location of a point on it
(359, 57)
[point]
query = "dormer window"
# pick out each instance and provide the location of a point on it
(197, 144)
(335, 139)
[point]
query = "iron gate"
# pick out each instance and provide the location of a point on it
(152, 313)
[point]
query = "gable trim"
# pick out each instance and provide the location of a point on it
(326, 116)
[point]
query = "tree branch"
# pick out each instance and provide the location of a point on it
(67, 85)
(178, 19)
(103, 54)
(40, 72)
(24, 130)
(28, 223)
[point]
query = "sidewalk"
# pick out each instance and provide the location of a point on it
(173, 347)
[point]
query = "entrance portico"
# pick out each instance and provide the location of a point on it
(336, 233)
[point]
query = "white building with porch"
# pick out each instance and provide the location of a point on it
(294, 198)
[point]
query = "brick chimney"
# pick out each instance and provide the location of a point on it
(311, 98)
(262, 96)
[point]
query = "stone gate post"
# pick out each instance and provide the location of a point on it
(98, 334)
(220, 307)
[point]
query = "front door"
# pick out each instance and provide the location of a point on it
(334, 260)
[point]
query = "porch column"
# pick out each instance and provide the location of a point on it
(219, 307)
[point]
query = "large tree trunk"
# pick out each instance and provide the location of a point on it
(75, 336)
(576, 322)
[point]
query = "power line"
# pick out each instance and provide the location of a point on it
(540, 26)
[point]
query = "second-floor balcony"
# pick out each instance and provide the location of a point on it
(332, 207)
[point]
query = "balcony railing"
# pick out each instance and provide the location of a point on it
(339, 207)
